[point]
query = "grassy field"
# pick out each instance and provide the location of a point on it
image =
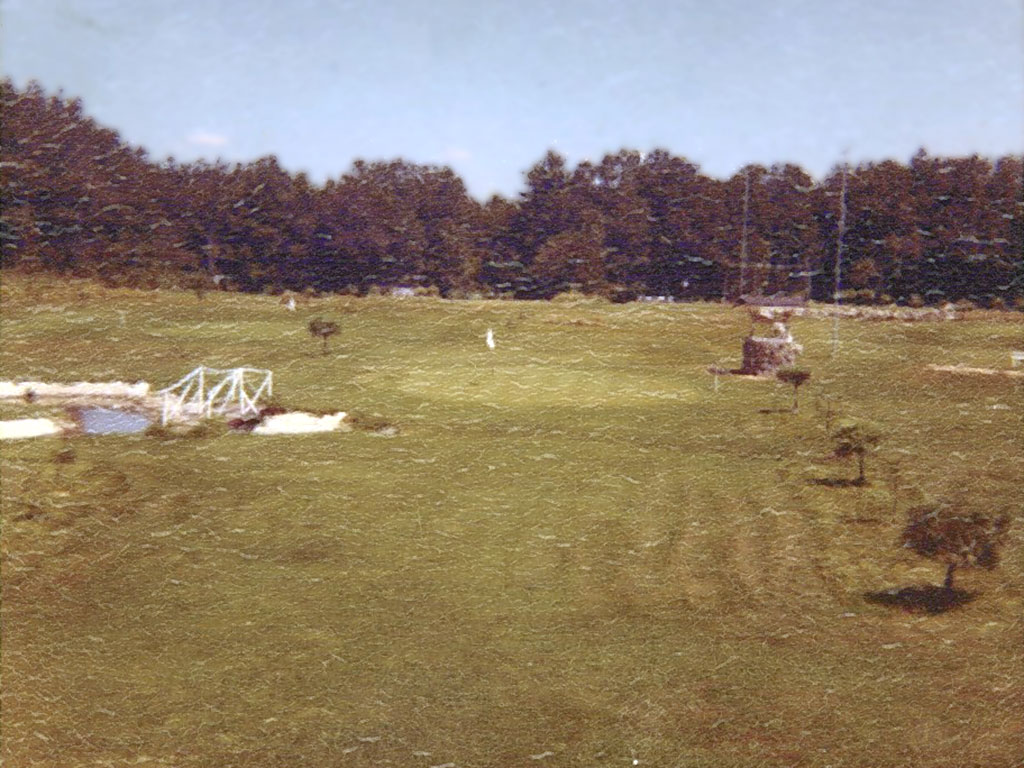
(574, 551)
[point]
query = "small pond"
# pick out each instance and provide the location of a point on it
(110, 421)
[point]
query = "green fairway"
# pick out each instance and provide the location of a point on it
(575, 551)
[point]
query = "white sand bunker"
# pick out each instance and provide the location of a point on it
(79, 389)
(18, 428)
(298, 422)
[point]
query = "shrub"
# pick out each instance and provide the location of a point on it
(865, 296)
(915, 301)
(622, 295)
(861, 296)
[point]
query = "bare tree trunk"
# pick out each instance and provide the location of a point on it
(948, 583)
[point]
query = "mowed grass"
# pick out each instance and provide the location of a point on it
(575, 551)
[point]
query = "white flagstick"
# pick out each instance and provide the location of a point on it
(490, 345)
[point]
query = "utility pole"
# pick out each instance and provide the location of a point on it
(836, 294)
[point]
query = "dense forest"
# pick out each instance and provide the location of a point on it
(78, 200)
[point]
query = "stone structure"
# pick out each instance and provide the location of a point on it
(763, 355)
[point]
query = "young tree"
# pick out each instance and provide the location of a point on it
(856, 438)
(794, 376)
(322, 329)
(958, 539)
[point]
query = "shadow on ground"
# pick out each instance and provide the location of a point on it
(922, 599)
(837, 482)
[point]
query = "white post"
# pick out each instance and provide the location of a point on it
(231, 393)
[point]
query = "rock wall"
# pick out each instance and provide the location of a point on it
(765, 355)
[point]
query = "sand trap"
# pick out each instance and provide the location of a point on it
(298, 422)
(18, 428)
(981, 371)
(119, 389)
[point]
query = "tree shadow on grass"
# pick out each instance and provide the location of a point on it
(927, 598)
(775, 410)
(838, 482)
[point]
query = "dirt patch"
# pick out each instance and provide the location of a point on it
(963, 369)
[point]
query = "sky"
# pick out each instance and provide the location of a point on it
(488, 86)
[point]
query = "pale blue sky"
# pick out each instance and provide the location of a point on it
(487, 86)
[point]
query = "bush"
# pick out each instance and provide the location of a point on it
(915, 301)
(622, 295)
(861, 296)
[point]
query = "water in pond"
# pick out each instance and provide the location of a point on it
(111, 421)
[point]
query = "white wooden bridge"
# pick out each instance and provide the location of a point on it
(208, 391)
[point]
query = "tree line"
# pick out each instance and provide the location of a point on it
(78, 200)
